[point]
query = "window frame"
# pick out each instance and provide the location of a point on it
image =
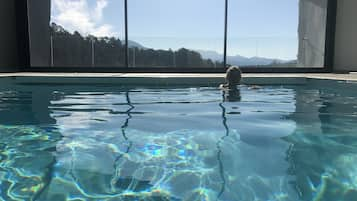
(23, 40)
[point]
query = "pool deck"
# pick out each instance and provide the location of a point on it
(170, 78)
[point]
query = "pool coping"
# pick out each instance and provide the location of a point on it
(168, 78)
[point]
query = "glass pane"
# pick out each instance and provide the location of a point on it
(176, 33)
(285, 33)
(87, 33)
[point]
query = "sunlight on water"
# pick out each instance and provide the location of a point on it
(278, 143)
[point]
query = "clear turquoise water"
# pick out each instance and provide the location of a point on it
(277, 143)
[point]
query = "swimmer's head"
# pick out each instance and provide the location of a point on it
(233, 76)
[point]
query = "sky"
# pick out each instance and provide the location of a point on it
(255, 27)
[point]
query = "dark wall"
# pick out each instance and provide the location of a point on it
(346, 36)
(39, 20)
(8, 44)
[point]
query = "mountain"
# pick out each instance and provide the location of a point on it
(252, 61)
(240, 60)
(233, 60)
(132, 44)
(209, 54)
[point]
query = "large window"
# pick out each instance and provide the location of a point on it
(80, 33)
(88, 33)
(279, 33)
(178, 34)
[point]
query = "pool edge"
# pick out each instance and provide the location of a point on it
(164, 79)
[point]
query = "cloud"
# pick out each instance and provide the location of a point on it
(78, 15)
(98, 11)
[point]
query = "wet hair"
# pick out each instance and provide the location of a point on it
(233, 76)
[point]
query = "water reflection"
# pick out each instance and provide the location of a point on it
(166, 160)
(116, 179)
(17, 108)
(276, 143)
(219, 153)
(323, 153)
(231, 95)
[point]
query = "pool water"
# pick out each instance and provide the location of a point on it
(274, 143)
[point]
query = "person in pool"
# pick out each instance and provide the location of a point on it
(233, 78)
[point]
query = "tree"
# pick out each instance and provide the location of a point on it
(75, 50)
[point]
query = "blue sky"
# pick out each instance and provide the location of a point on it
(256, 27)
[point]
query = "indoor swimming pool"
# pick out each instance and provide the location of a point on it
(178, 143)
